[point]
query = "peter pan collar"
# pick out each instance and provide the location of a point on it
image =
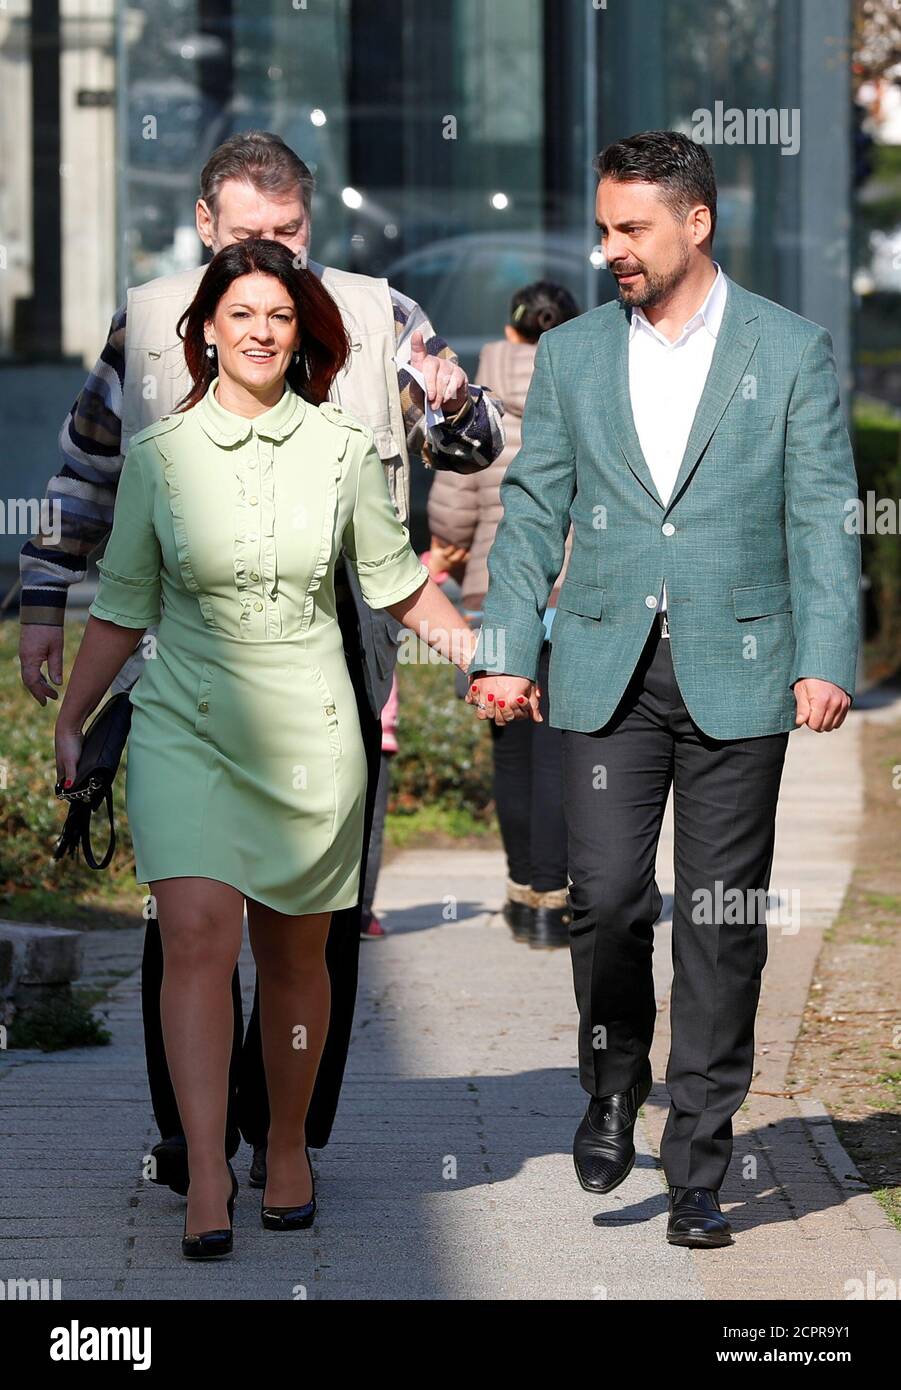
(224, 427)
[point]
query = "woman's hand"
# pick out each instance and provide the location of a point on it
(443, 556)
(68, 750)
(505, 698)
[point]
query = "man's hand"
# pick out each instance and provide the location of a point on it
(446, 383)
(505, 698)
(40, 642)
(822, 706)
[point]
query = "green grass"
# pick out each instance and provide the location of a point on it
(34, 887)
(877, 451)
(56, 1025)
(891, 902)
(403, 831)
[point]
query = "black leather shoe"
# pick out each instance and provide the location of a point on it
(290, 1218)
(258, 1166)
(695, 1218)
(550, 928)
(519, 918)
(171, 1158)
(212, 1245)
(603, 1148)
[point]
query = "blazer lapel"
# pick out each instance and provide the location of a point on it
(611, 357)
(735, 342)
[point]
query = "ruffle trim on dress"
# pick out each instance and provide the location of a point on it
(326, 538)
(247, 560)
(173, 488)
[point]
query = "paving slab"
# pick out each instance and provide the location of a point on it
(449, 1174)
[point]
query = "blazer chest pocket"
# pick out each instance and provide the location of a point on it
(585, 599)
(762, 600)
(738, 425)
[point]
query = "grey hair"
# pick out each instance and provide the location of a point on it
(261, 159)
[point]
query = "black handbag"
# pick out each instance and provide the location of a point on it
(101, 753)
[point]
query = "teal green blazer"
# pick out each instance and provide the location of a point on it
(761, 573)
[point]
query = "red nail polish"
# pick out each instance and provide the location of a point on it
(502, 703)
(490, 697)
(520, 699)
(68, 782)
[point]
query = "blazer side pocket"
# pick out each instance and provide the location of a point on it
(585, 599)
(762, 600)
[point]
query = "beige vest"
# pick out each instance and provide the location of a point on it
(156, 375)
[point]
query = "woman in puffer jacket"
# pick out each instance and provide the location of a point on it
(464, 511)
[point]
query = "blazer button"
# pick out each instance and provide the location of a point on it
(203, 707)
(330, 709)
(254, 575)
(258, 607)
(650, 601)
(668, 528)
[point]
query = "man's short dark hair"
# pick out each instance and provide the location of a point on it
(682, 168)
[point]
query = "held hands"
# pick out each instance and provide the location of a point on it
(505, 698)
(822, 706)
(446, 557)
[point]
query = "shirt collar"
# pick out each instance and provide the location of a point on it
(224, 427)
(710, 313)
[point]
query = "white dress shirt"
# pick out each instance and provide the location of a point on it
(666, 381)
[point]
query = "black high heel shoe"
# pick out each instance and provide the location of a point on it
(291, 1218)
(212, 1245)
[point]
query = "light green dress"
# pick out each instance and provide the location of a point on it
(245, 758)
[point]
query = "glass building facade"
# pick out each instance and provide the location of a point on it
(451, 142)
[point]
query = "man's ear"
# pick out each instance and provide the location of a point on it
(206, 225)
(701, 223)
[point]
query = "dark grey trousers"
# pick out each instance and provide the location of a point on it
(616, 783)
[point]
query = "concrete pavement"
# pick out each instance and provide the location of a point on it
(449, 1173)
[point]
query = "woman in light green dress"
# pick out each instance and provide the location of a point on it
(246, 773)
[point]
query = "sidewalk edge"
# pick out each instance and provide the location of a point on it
(862, 1205)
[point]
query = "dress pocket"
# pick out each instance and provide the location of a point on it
(203, 701)
(329, 711)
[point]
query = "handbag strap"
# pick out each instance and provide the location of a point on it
(86, 835)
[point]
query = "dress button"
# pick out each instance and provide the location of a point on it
(650, 601)
(258, 607)
(668, 528)
(330, 709)
(252, 501)
(203, 707)
(254, 575)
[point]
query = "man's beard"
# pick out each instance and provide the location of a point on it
(654, 287)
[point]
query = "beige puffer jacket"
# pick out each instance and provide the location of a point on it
(465, 508)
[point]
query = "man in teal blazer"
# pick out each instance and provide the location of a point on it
(692, 435)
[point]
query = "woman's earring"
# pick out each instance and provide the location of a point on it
(211, 350)
(296, 358)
